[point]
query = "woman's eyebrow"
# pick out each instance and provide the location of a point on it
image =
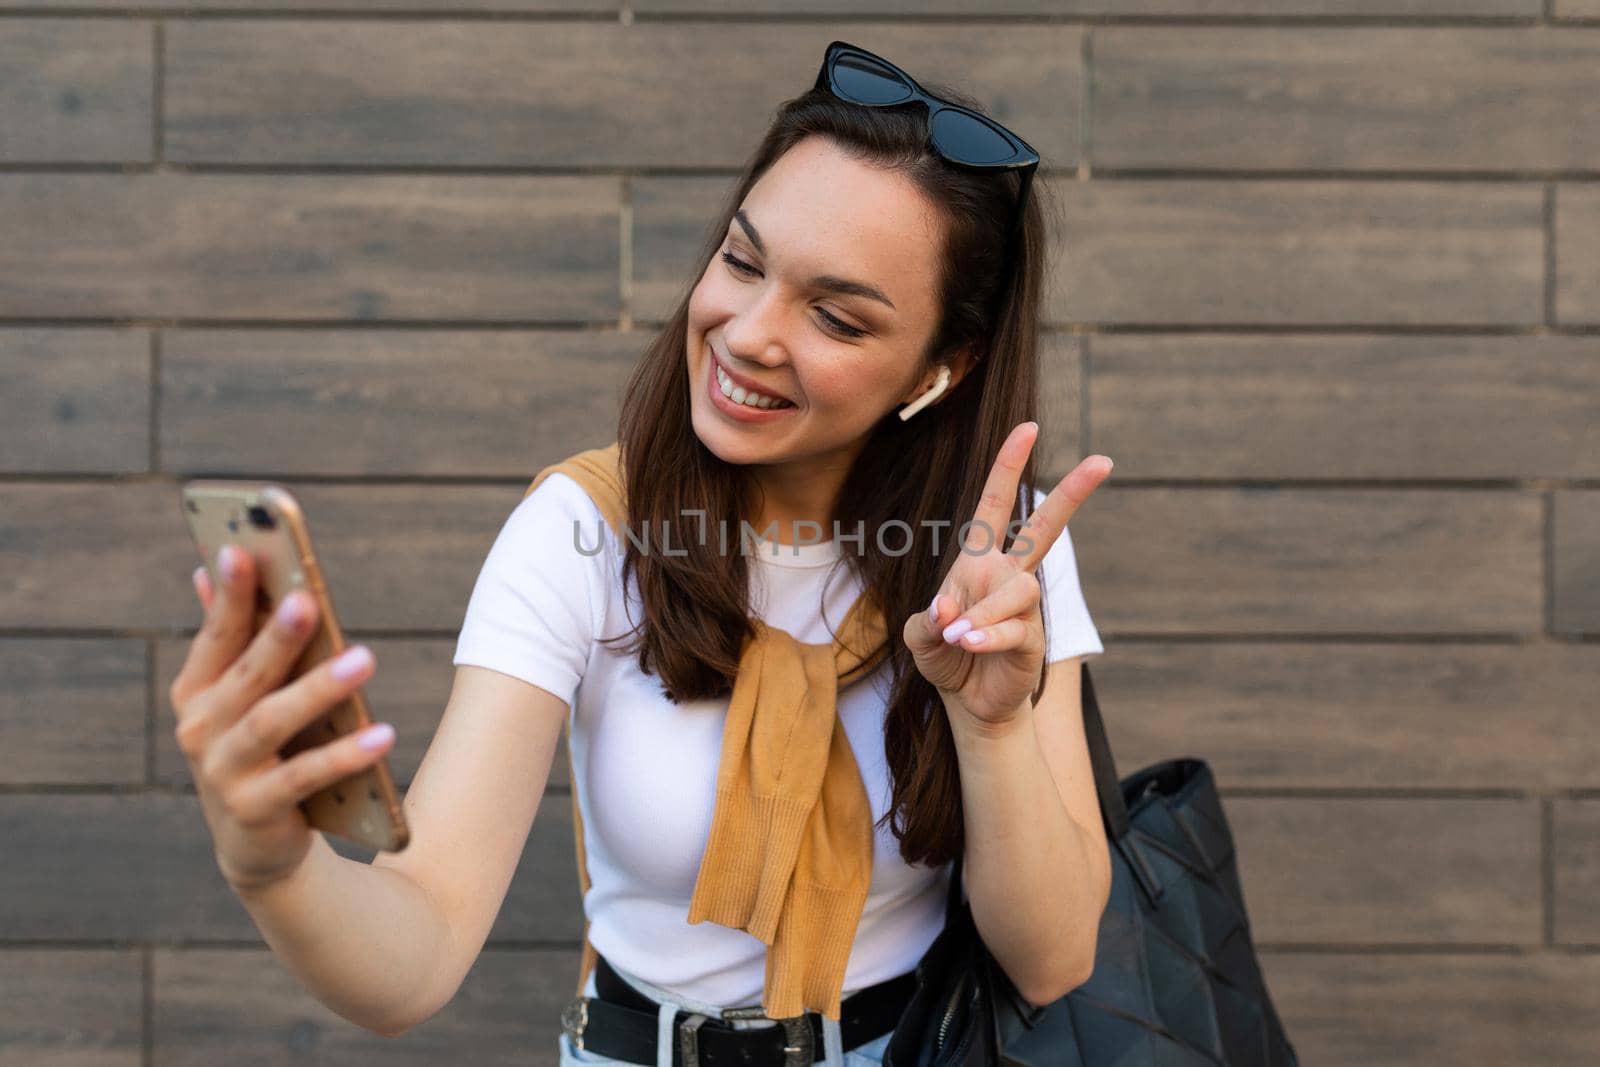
(831, 282)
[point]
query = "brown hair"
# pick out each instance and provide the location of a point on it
(927, 469)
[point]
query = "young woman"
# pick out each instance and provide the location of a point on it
(855, 376)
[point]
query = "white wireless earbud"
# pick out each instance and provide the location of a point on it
(929, 397)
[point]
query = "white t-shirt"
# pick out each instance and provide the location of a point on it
(645, 770)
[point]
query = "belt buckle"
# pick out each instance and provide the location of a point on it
(799, 1051)
(574, 1017)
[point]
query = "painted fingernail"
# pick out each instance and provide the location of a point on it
(228, 562)
(953, 632)
(292, 612)
(933, 609)
(375, 737)
(977, 637)
(351, 662)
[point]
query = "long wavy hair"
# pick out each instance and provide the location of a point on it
(920, 471)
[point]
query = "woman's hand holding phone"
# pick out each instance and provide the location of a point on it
(234, 714)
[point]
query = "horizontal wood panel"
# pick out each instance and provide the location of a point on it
(1575, 543)
(1301, 252)
(1177, 8)
(72, 711)
(1347, 1009)
(1332, 98)
(76, 91)
(1403, 871)
(1576, 847)
(311, 247)
(1311, 561)
(389, 402)
(1577, 254)
(75, 400)
(319, 7)
(71, 1007)
(240, 1006)
(1186, 9)
(1362, 715)
(409, 687)
(1224, 406)
(143, 866)
(597, 94)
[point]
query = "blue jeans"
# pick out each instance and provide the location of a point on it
(867, 1054)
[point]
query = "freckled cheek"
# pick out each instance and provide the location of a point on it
(845, 388)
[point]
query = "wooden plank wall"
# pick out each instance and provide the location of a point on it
(1328, 290)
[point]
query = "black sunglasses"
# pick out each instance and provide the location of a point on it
(960, 135)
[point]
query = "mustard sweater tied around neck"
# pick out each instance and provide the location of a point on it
(789, 858)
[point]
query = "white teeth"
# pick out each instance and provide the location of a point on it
(739, 395)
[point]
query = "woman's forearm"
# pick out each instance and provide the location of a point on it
(1027, 865)
(366, 941)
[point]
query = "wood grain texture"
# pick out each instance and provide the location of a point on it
(1575, 548)
(240, 1006)
(77, 91)
(1397, 253)
(1335, 98)
(1477, 1010)
(142, 866)
(401, 403)
(1349, 562)
(1389, 871)
(308, 247)
(1577, 259)
(1185, 9)
(1233, 406)
(1358, 715)
(1576, 839)
(575, 93)
(378, 7)
(75, 401)
(72, 711)
(71, 1007)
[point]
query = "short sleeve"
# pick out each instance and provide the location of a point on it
(1068, 628)
(539, 598)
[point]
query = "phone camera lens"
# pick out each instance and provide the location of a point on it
(260, 518)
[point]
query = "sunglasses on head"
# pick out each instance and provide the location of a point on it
(960, 135)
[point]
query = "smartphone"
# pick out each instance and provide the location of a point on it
(265, 520)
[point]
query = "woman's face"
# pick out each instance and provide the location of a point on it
(828, 306)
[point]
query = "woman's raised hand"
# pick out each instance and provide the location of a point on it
(233, 717)
(981, 642)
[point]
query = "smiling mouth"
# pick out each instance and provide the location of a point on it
(739, 395)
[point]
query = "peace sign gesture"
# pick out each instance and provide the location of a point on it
(981, 643)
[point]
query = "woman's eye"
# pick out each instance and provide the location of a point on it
(739, 266)
(843, 327)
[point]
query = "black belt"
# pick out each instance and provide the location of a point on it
(623, 1023)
